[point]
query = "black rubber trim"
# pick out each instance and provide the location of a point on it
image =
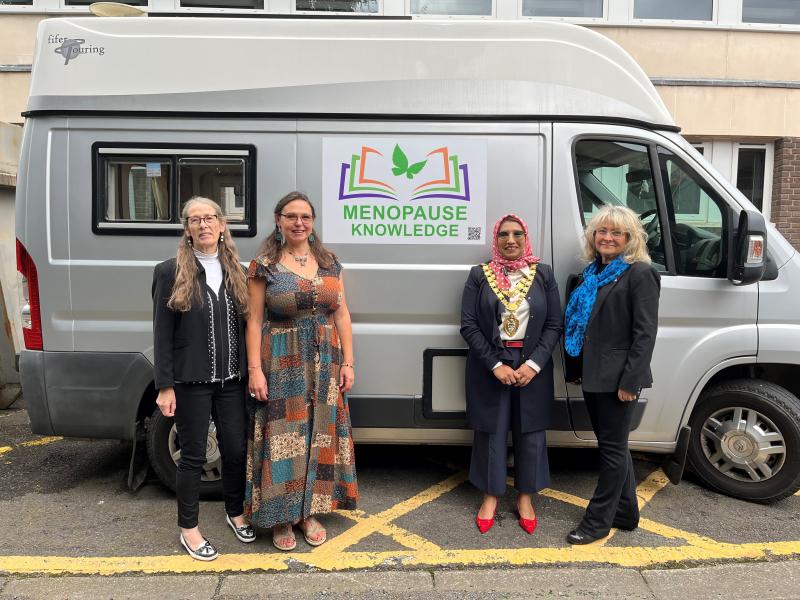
(382, 411)
(348, 117)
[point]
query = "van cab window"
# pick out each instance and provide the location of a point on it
(697, 223)
(615, 172)
(140, 189)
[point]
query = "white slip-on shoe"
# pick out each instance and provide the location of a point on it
(245, 533)
(205, 552)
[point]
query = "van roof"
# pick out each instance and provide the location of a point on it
(338, 67)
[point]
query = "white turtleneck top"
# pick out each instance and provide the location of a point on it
(213, 269)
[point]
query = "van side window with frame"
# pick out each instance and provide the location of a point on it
(139, 190)
(620, 173)
(697, 220)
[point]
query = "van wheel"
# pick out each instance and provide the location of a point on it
(745, 440)
(164, 450)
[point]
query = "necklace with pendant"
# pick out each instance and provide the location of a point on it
(302, 259)
(510, 298)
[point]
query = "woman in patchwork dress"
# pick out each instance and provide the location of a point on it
(300, 446)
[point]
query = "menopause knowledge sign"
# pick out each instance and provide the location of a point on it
(404, 190)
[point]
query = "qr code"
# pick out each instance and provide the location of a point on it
(473, 233)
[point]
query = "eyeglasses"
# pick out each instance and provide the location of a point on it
(615, 233)
(208, 220)
(518, 235)
(306, 219)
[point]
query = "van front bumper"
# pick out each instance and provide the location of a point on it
(84, 394)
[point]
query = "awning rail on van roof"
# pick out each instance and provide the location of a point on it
(424, 69)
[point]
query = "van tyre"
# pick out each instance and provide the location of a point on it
(745, 440)
(163, 449)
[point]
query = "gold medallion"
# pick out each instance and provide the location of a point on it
(510, 324)
(519, 292)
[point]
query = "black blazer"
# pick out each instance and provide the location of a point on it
(621, 333)
(480, 322)
(181, 339)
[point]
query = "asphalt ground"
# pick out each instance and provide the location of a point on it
(65, 511)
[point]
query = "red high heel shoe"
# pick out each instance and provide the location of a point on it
(485, 525)
(528, 525)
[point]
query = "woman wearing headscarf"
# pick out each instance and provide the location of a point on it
(300, 343)
(199, 305)
(610, 326)
(511, 321)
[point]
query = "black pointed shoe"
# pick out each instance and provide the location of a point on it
(244, 534)
(579, 538)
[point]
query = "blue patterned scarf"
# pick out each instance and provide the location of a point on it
(580, 305)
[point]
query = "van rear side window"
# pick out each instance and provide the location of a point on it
(141, 190)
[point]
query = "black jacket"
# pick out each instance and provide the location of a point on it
(621, 333)
(201, 345)
(480, 322)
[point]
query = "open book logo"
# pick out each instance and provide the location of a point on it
(369, 174)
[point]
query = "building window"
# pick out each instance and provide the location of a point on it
(138, 189)
(233, 4)
(346, 6)
(785, 12)
(16, 2)
(563, 8)
(750, 174)
(452, 7)
(88, 2)
(678, 10)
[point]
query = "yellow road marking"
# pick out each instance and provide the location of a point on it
(621, 556)
(41, 441)
(398, 534)
(653, 483)
(329, 555)
(4, 449)
(420, 551)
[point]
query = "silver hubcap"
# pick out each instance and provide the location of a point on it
(212, 470)
(743, 444)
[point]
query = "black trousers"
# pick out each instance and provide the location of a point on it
(195, 403)
(614, 501)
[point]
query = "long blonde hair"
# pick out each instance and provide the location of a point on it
(624, 219)
(272, 248)
(186, 290)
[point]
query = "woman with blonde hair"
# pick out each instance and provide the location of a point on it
(199, 306)
(300, 348)
(610, 326)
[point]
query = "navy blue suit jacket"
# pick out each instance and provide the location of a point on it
(480, 322)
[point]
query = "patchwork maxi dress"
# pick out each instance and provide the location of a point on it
(300, 445)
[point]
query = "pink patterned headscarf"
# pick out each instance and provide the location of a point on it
(501, 265)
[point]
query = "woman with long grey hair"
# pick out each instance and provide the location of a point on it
(199, 305)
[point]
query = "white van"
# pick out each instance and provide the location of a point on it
(412, 137)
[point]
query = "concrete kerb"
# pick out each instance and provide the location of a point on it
(763, 580)
(163, 587)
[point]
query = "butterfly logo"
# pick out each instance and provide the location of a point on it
(401, 166)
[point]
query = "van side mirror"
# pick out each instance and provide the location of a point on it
(749, 249)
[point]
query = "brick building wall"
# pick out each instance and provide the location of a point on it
(786, 189)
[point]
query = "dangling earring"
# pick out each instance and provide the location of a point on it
(279, 235)
(311, 237)
(190, 242)
(221, 237)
